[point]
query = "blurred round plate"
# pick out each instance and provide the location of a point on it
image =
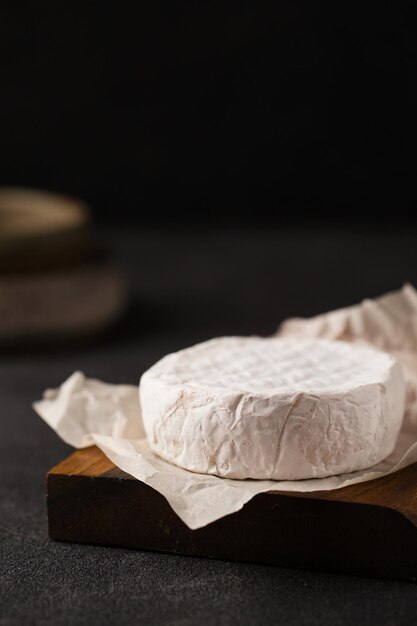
(40, 230)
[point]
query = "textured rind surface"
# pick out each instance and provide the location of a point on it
(281, 409)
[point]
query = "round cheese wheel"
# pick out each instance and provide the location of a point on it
(281, 409)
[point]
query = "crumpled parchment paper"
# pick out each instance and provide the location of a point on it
(85, 412)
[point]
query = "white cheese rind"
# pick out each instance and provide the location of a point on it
(281, 409)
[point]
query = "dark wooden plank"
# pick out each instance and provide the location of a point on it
(368, 529)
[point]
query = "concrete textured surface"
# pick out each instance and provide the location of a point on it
(184, 287)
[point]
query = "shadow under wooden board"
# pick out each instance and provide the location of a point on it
(368, 529)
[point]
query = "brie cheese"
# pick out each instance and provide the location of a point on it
(281, 409)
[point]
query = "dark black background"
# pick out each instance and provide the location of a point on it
(166, 113)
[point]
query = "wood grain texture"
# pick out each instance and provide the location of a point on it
(368, 529)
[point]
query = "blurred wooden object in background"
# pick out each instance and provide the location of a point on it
(53, 283)
(40, 231)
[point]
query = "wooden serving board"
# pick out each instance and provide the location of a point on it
(368, 529)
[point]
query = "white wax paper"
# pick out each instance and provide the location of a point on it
(85, 412)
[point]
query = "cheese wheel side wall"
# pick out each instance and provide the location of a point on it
(296, 437)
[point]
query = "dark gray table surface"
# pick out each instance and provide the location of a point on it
(185, 287)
